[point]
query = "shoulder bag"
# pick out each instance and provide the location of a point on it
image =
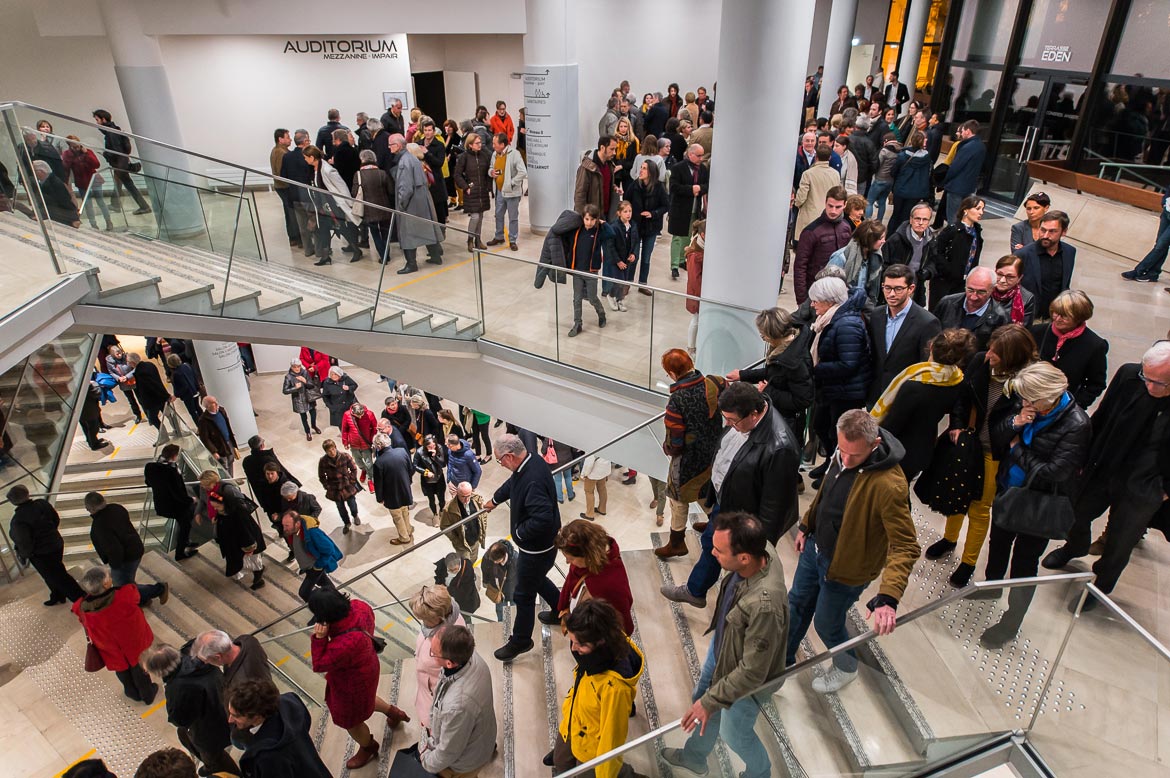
(1029, 511)
(93, 657)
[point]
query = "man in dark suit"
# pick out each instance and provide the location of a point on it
(900, 330)
(152, 392)
(973, 309)
(38, 542)
(171, 498)
(345, 157)
(534, 521)
(294, 166)
(896, 94)
(1047, 265)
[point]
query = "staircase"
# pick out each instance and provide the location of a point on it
(129, 270)
(124, 477)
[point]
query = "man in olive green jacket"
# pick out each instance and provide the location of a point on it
(747, 650)
(857, 528)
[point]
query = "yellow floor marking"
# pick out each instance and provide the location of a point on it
(114, 453)
(154, 708)
(428, 275)
(81, 758)
(131, 432)
(307, 654)
(389, 624)
(285, 659)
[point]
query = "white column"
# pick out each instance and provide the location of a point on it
(150, 111)
(550, 109)
(838, 46)
(912, 40)
(762, 43)
(223, 375)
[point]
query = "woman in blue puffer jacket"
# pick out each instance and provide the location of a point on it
(842, 359)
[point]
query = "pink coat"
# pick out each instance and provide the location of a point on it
(427, 669)
(350, 665)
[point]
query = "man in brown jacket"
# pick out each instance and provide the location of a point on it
(595, 180)
(215, 432)
(857, 528)
(283, 142)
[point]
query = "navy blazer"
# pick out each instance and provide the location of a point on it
(909, 347)
(533, 514)
(1030, 275)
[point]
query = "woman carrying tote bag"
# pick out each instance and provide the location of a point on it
(1041, 448)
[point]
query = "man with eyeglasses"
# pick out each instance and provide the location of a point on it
(907, 246)
(754, 471)
(973, 309)
(1047, 265)
(1128, 470)
(901, 330)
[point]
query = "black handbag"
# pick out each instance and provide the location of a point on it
(1029, 511)
(954, 478)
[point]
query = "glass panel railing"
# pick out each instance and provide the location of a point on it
(923, 695)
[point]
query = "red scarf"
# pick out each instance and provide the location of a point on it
(1060, 339)
(1017, 306)
(213, 494)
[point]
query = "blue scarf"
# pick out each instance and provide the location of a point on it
(1016, 474)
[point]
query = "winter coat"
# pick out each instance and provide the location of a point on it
(339, 395)
(82, 166)
(301, 394)
(412, 196)
(115, 625)
(886, 159)
(392, 477)
(947, 255)
(1121, 427)
(693, 427)
(861, 270)
(473, 169)
(912, 175)
(1056, 455)
(210, 435)
(625, 242)
(319, 360)
(695, 256)
(436, 464)
(866, 154)
(515, 174)
(149, 387)
(815, 184)
(966, 167)
(914, 418)
(685, 207)
(358, 433)
(463, 466)
(330, 180)
(462, 585)
(501, 577)
(816, 245)
(452, 514)
(595, 714)
(1083, 360)
(268, 495)
(462, 735)
(194, 692)
(114, 537)
(317, 544)
(789, 377)
(610, 584)
(951, 310)
(339, 476)
(184, 383)
(169, 492)
(33, 530)
(235, 527)
(427, 668)
(554, 252)
(533, 515)
(589, 187)
(845, 363)
(282, 746)
(350, 664)
(377, 189)
(653, 200)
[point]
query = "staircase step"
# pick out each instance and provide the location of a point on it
(124, 463)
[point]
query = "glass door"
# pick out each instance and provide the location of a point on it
(1038, 125)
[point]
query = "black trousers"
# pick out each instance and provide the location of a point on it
(91, 430)
(313, 579)
(1024, 552)
(153, 415)
(136, 684)
(62, 586)
(825, 415)
(183, 530)
(532, 580)
(216, 760)
(1129, 516)
(481, 432)
(290, 216)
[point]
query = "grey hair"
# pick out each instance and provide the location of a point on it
(210, 643)
(363, 117)
(832, 271)
(857, 424)
(452, 562)
(980, 270)
(398, 138)
(295, 363)
(40, 166)
(828, 290)
(367, 157)
(335, 369)
(374, 126)
(510, 444)
(300, 136)
(1039, 382)
(663, 143)
(288, 489)
(918, 206)
(93, 580)
(381, 441)
(162, 660)
(1157, 354)
(133, 358)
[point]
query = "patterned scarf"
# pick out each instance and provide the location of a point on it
(1017, 306)
(931, 373)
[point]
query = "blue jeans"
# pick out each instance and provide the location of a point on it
(124, 574)
(817, 601)
(879, 192)
(954, 200)
(1151, 264)
(645, 249)
(511, 206)
(563, 482)
(736, 725)
(706, 570)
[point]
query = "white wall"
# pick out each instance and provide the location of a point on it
(493, 58)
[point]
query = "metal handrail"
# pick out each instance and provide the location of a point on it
(58, 492)
(1118, 611)
(384, 606)
(840, 648)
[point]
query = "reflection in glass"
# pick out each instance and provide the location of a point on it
(984, 30)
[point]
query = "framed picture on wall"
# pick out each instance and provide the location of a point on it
(388, 99)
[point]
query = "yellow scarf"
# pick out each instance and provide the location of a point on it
(931, 373)
(624, 143)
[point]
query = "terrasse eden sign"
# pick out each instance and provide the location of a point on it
(333, 48)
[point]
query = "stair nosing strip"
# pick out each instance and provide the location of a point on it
(509, 716)
(841, 716)
(550, 684)
(646, 686)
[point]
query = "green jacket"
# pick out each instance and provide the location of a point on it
(755, 636)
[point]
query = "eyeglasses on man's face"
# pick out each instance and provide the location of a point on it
(895, 289)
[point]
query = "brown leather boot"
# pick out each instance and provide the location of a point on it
(676, 546)
(364, 755)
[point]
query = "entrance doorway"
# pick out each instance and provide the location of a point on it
(430, 95)
(1038, 125)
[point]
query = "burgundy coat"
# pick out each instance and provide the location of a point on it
(115, 624)
(611, 585)
(350, 665)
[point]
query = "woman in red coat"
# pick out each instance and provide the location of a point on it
(115, 625)
(596, 571)
(317, 362)
(343, 649)
(358, 428)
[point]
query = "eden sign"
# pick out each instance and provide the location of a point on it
(344, 49)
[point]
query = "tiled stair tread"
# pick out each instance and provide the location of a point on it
(81, 531)
(136, 254)
(529, 708)
(102, 465)
(882, 738)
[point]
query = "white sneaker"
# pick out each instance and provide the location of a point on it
(833, 681)
(613, 303)
(621, 304)
(239, 576)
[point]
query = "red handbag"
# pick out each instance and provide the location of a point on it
(93, 657)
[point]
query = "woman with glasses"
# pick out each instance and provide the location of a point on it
(1073, 348)
(1028, 231)
(1019, 302)
(954, 251)
(434, 609)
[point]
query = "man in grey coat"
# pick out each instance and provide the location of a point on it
(412, 196)
(462, 736)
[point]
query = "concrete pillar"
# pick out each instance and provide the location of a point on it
(550, 109)
(223, 375)
(150, 111)
(761, 44)
(912, 41)
(838, 46)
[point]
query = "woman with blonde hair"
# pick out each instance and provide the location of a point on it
(690, 109)
(434, 609)
(626, 152)
(1075, 350)
(596, 571)
(236, 531)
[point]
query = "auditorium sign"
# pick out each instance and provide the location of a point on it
(331, 48)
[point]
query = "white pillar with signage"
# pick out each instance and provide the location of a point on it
(550, 111)
(223, 376)
(912, 40)
(761, 44)
(838, 46)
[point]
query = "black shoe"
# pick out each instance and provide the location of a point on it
(1091, 603)
(356, 256)
(630, 480)
(434, 260)
(513, 649)
(600, 322)
(819, 471)
(288, 560)
(962, 575)
(575, 331)
(939, 549)
(1058, 559)
(997, 635)
(323, 261)
(682, 264)
(53, 601)
(549, 618)
(674, 273)
(548, 759)
(496, 242)
(349, 249)
(345, 530)
(409, 268)
(365, 244)
(816, 483)
(149, 698)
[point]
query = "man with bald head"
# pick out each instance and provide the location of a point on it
(689, 180)
(472, 536)
(1128, 470)
(973, 309)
